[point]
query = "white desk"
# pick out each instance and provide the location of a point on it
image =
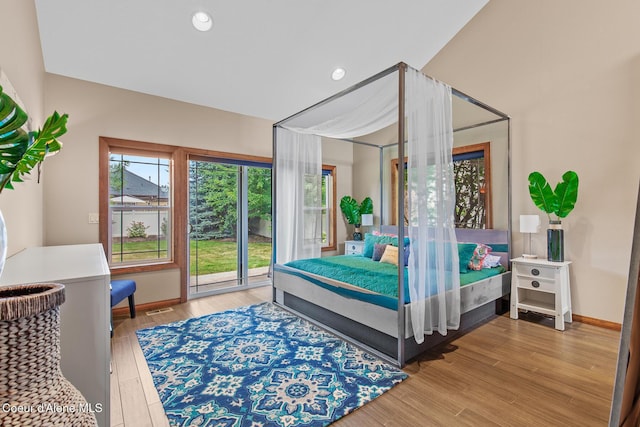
(84, 317)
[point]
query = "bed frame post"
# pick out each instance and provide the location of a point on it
(402, 70)
(273, 212)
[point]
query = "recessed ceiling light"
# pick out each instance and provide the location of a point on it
(338, 73)
(202, 21)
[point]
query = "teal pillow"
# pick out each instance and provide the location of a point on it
(465, 253)
(370, 240)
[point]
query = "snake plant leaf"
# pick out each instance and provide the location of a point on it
(350, 209)
(366, 207)
(542, 194)
(567, 193)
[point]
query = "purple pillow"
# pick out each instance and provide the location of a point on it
(378, 250)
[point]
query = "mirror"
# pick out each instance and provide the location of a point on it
(481, 157)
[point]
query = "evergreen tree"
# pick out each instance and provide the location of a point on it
(214, 197)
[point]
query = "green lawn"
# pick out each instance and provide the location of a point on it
(215, 256)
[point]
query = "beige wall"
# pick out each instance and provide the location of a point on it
(71, 184)
(21, 61)
(568, 73)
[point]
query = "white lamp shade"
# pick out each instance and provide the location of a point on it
(367, 219)
(529, 223)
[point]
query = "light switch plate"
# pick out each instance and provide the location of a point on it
(94, 218)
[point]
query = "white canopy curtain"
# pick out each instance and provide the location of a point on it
(434, 275)
(361, 112)
(299, 205)
(435, 296)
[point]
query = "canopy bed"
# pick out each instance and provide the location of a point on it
(431, 279)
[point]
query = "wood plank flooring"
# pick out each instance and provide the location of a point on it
(503, 373)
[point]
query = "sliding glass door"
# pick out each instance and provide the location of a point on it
(229, 224)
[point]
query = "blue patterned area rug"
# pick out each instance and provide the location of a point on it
(259, 366)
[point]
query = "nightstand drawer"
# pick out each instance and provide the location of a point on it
(538, 284)
(535, 271)
(353, 247)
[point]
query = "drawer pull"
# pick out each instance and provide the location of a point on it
(535, 284)
(535, 271)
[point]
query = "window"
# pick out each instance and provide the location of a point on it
(136, 199)
(328, 207)
(472, 176)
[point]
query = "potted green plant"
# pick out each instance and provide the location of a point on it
(21, 150)
(353, 211)
(559, 202)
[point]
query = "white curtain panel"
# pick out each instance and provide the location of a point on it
(298, 196)
(433, 270)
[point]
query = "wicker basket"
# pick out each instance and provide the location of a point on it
(33, 391)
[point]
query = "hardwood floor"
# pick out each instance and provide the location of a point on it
(503, 373)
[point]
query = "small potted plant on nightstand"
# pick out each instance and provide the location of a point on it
(559, 201)
(353, 212)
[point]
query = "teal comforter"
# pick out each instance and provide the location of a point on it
(365, 273)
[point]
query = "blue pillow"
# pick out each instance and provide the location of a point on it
(378, 250)
(407, 251)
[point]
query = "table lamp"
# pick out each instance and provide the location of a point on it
(529, 224)
(367, 220)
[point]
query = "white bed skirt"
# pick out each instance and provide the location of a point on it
(380, 318)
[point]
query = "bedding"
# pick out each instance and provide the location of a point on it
(359, 277)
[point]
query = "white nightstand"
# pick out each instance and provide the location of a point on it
(541, 286)
(353, 247)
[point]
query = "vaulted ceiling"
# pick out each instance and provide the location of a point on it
(266, 59)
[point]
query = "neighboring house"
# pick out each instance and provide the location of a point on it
(137, 190)
(138, 202)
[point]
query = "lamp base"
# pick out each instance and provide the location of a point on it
(529, 256)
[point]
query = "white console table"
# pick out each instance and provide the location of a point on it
(84, 317)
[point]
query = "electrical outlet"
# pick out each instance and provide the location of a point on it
(94, 218)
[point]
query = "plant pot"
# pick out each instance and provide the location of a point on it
(555, 242)
(32, 387)
(357, 235)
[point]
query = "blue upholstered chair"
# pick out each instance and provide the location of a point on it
(121, 289)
